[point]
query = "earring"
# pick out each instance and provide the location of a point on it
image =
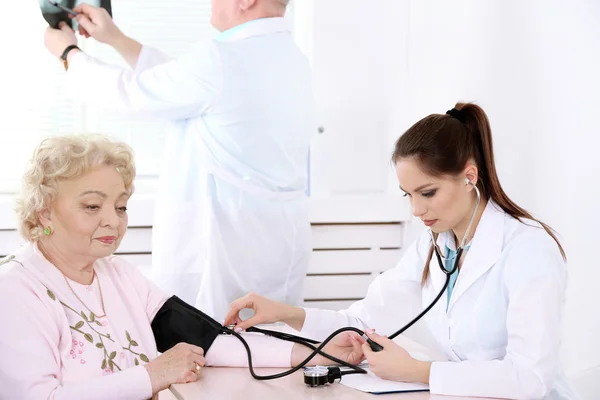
(48, 231)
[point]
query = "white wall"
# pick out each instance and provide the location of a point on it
(566, 184)
(534, 66)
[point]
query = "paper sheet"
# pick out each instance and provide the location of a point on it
(372, 384)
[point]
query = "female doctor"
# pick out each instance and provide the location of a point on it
(499, 320)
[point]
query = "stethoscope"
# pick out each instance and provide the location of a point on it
(460, 248)
(318, 376)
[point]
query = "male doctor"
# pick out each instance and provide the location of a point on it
(231, 216)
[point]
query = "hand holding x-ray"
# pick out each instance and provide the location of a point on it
(55, 11)
(97, 23)
(91, 21)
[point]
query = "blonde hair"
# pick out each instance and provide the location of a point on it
(63, 158)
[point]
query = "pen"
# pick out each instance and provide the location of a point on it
(65, 9)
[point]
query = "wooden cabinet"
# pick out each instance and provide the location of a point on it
(342, 38)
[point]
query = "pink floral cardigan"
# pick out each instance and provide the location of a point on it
(52, 347)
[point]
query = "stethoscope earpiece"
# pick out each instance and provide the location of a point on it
(464, 239)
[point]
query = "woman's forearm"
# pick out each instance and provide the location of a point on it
(422, 372)
(299, 354)
(294, 317)
(228, 351)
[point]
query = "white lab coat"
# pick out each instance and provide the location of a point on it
(501, 332)
(231, 214)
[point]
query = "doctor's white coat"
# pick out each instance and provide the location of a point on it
(231, 216)
(501, 331)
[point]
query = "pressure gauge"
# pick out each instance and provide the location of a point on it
(316, 376)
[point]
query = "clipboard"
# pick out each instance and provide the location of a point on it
(54, 15)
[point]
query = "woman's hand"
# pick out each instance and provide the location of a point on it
(266, 311)
(347, 346)
(180, 364)
(393, 362)
(97, 23)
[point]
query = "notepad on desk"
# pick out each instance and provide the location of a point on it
(370, 383)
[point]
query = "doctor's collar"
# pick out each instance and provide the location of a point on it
(256, 27)
(446, 240)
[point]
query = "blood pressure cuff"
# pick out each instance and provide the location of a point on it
(177, 321)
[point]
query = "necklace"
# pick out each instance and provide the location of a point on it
(94, 278)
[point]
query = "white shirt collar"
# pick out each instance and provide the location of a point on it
(257, 27)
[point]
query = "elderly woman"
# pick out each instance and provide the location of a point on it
(80, 323)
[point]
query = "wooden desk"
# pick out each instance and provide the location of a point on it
(237, 383)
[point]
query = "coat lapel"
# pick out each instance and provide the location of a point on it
(485, 250)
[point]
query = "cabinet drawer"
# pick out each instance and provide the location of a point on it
(337, 287)
(352, 261)
(357, 236)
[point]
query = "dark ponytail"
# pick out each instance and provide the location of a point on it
(443, 144)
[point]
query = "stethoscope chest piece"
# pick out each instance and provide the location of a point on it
(316, 376)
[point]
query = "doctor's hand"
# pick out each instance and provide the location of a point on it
(57, 40)
(266, 311)
(393, 362)
(347, 346)
(97, 23)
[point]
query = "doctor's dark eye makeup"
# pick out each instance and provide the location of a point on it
(429, 193)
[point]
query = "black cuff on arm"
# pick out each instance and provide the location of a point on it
(177, 321)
